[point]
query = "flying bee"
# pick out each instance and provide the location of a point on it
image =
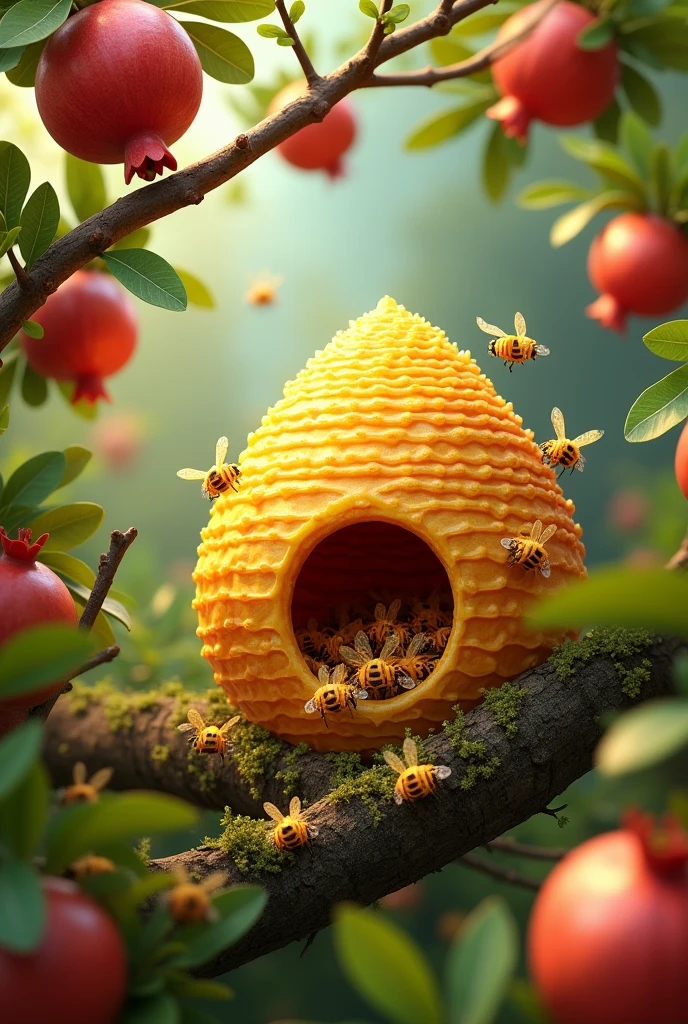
(414, 664)
(563, 452)
(377, 675)
(311, 640)
(512, 348)
(86, 791)
(335, 694)
(263, 290)
(528, 550)
(416, 780)
(220, 477)
(189, 902)
(291, 831)
(386, 623)
(91, 865)
(207, 739)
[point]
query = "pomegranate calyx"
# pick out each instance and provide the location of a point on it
(90, 387)
(664, 843)
(513, 116)
(609, 312)
(22, 549)
(146, 155)
(336, 169)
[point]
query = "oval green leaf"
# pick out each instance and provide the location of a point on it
(31, 20)
(385, 967)
(85, 187)
(110, 606)
(641, 94)
(148, 276)
(542, 195)
(39, 220)
(24, 74)
(34, 480)
(659, 408)
(481, 963)
(223, 55)
(19, 751)
(480, 24)
(33, 329)
(34, 387)
(496, 163)
(40, 656)
(10, 58)
(449, 123)
(606, 126)
(670, 340)
(76, 459)
(607, 161)
(69, 566)
(7, 373)
(24, 811)
(196, 291)
(574, 221)
(69, 525)
(643, 737)
(15, 178)
(596, 35)
(239, 909)
(637, 142)
(225, 10)
(8, 239)
(23, 907)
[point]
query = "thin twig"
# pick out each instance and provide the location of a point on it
(299, 49)
(42, 711)
(377, 36)
(506, 845)
(680, 559)
(502, 874)
(20, 273)
(107, 567)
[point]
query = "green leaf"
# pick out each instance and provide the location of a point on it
(34, 387)
(572, 223)
(670, 341)
(69, 566)
(10, 58)
(385, 967)
(449, 50)
(85, 186)
(641, 94)
(396, 15)
(76, 459)
(596, 35)
(39, 220)
(368, 8)
(659, 408)
(31, 20)
(19, 751)
(24, 74)
(22, 921)
(4, 419)
(481, 963)
(34, 480)
(606, 126)
(225, 10)
(542, 195)
(446, 125)
(33, 329)
(136, 240)
(148, 276)
(41, 655)
(7, 372)
(15, 178)
(223, 55)
(496, 163)
(8, 239)
(644, 736)
(296, 11)
(111, 607)
(271, 31)
(619, 596)
(637, 142)
(666, 39)
(161, 1008)
(68, 526)
(606, 160)
(662, 177)
(196, 292)
(24, 811)
(480, 24)
(86, 828)
(240, 908)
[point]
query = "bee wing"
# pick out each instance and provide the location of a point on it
(191, 474)
(497, 332)
(361, 694)
(508, 542)
(393, 610)
(406, 682)
(520, 325)
(362, 645)
(416, 646)
(294, 807)
(339, 675)
(558, 423)
(536, 530)
(541, 350)
(580, 463)
(310, 706)
(588, 437)
(195, 719)
(323, 675)
(215, 880)
(442, 771)
(549, 532)
(410, 749)
(186, 727)
(79, 773)
(273, 812)
(398, 798)
(228, 725)
(545, 569)
(394, 761)
(220, 451)
(391, 644)
(353, 657)
(380, 612)
(100, 779)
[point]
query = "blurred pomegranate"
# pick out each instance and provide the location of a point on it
(639, 262)
(118, 440)
(548, 76)
(408, 898)
(320, 146)
(681, 461)
(627, 511)
(644, 558)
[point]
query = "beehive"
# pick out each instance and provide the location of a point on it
(390, 467)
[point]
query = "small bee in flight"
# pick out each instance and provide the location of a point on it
(528, 550)
(82, 791)
(563, 452)
(291, 831)
(376, 675)
(189, 902)
(512, 348)
(335, 694)
(263, 290)
(416, 780)
(220, 477)
(207, 739)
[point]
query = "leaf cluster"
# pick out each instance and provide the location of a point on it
(664, 404)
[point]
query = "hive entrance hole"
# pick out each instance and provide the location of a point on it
(350, 572)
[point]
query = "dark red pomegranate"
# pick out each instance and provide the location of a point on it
(639, 262)
(120, 82)
(608, 935)
(89, 332)
(548, 77)
(320, 146)
(681, 462)
(77, 975)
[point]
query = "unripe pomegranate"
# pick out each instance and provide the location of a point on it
(681, 462)
(320, 146)
(639, 262)
(608, 936)
(118, 440)
(548, 76)
(89, 332)
(78, 973)
(120, 82)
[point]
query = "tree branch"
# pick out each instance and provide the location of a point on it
(501, 874)
(680, 559)
(107, 567)
(507, 845)
(304, 60)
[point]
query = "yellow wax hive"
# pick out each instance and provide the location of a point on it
(390, 470)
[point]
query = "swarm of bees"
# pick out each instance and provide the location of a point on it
(374, 656)
(207, 739)
(291, 830)
(512, 348)
(415, 780)
(219, 478)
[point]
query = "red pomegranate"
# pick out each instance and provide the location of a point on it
(89, 332)
(77, 975)
(608, 936)
(639, 262)
(548, 77)
(681, 462)
(320, 146)
(120, 82)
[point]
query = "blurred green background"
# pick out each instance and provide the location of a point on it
(417, 227)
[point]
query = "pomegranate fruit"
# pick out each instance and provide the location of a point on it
(120, 82)
(548, 76)
(320, 146)
(681, 461)
(639, 262)
(608, 935)
(78, 973)
(89, 332)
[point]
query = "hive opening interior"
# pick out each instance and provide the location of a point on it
(375, 598)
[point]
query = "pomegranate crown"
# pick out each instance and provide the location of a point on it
(664, 842)
(22, 549)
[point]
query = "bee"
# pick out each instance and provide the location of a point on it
(386, 623)
(376, 675)
(563, 452)
(83, 791)
(428, 615)
(311, 640)
(512, 348)
(291, 830)
(189, 902)
(263, 290)
(416, 780)
(334, 694)
(207, 739)
(528, 550)
(413, 664)
(90, 865)
(220, 477)
(440, 637)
